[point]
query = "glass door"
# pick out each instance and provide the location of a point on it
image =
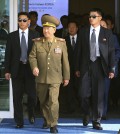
(8, 23)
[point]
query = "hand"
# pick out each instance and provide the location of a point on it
(65, 82)
(77, 73)
(111, 75)
(7, 76)
(35, 71)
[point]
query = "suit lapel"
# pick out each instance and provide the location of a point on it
(88, 39)
(29, 40)
(77, 42)
(17, 40)
(53, 44)
(69, 43)
(101, 39)
(45, 45)
(101, 35)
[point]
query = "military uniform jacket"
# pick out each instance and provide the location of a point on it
(52, 62)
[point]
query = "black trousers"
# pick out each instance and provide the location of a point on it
(23, 83)
(92, 90)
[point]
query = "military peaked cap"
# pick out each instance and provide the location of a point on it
(49, 21)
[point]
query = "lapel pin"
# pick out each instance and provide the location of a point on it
(104, 39)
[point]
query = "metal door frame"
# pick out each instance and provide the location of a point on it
(13, 11)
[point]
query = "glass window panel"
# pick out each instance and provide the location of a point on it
(4, 30)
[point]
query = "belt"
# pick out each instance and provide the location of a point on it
(21, 62)
(97, 59)
(98, 56)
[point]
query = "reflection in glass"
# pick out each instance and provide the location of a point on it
(4, 30)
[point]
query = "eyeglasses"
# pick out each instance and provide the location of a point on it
(93, 16)
(22, 20)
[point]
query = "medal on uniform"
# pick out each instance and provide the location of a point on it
(57, 50)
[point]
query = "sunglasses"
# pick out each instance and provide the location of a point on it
(93, 16)
(22, 20)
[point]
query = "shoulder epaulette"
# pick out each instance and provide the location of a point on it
(38, 39)
(60, 39)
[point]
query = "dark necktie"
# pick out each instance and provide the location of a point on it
(23, 48)
(73, 42)
(93, 56)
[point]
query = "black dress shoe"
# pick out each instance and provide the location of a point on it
(104, 118)
(32, 120)
(53, 130)
(45, 126)
(19, 126)
(119, 131)
(97, 125)
(85, 120)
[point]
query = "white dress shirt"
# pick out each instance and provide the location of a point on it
(75, 38)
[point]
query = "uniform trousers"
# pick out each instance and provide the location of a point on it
(48, 95)
(93, 86)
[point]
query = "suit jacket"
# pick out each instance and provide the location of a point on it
(39, 30)
(61, 33)
(52, 63)
(13, 52)
(106, 48)
(72, 52)
(3, 34)
(117, 48)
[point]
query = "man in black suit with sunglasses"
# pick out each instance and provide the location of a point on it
(95, 61)
(18, 47)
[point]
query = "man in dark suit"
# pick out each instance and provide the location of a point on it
(33, 23)
(17, 67)
(62, 32)
(95, 60)
(4, 30)
(34, 26)
(71, 90)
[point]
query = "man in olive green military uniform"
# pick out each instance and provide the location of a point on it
(49, 62)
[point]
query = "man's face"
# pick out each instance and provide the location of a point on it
(94, 19)
(109, 24)
(72, 28)
(103, 23)
(48, 32)
(33, 19)
(23, 22)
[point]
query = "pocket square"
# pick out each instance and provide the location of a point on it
(104, 39)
